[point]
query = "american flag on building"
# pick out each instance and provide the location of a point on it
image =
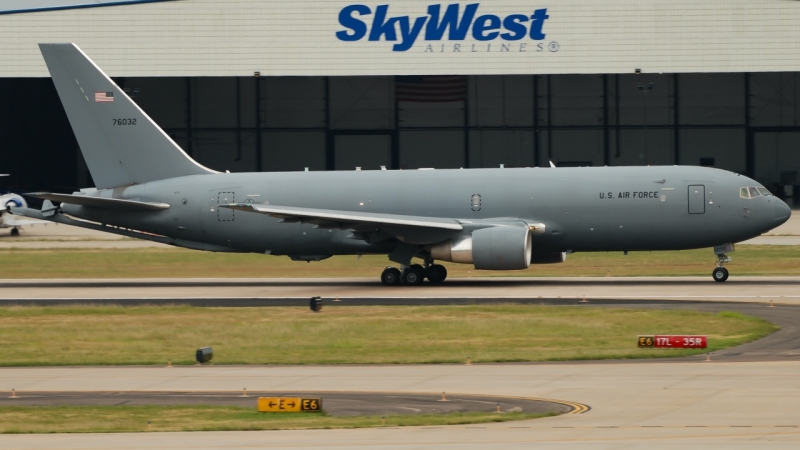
(102, 97)
(431, 88)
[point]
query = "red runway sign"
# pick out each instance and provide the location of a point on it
(660, 341)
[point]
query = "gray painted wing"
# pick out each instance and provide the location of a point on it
(121, 144)
(99, 202)
(348, 219)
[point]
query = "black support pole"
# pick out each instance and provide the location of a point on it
(189, 137)
(676, 119)
(330, 153)
(549, 120)
(259, 158)
(606, 130)
(536, 120)
(466, 128)
(239, 119)
(616, 117)
(395, 156)
(750, 150)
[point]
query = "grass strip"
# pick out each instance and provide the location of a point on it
(127, 419)
(100, 335)
(179, 263)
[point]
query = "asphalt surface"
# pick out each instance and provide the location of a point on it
(334, 403)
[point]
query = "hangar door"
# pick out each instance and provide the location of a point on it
(777, 159)
(368, 151)
(697, 199)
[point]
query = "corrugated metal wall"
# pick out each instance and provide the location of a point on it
(298, 37)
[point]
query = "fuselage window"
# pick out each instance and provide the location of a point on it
(743, 193)
(753, 192)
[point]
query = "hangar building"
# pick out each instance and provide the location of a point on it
(257, 85)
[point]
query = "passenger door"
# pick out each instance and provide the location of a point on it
(697, 199)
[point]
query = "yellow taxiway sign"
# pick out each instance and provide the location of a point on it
(289, 404)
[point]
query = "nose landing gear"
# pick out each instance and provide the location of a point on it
(720, 274)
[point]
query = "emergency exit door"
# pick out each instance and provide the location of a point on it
(697, 199)
(225, 198)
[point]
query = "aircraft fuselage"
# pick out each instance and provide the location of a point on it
(583, 209)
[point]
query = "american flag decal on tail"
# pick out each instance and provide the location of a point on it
(102, 97)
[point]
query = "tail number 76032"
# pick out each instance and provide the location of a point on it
(124, 121)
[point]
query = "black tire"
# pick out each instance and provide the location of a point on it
(15, 232)
(436, 273)
(413, 276)
(720, 274)
(390, 277)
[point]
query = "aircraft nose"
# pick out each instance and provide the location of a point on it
(780, 211)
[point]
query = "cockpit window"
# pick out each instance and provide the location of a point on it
(753, 192)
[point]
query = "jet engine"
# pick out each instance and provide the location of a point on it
(495, 248)
(12, 200)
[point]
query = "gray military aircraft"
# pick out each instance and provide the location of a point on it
(494, 219)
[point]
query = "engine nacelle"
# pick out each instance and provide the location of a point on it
(9, 201)
(495, 248)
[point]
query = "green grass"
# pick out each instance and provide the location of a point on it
(178, 263)
(97, 335)
(120, 419)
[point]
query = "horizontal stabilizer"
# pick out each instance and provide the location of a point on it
(347, 218)
(99, 202)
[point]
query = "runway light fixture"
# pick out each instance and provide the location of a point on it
(315, 304)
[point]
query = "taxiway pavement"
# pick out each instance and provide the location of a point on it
(691, 404)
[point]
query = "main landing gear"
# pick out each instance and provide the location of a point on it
(720, 274)
(413, 275)
(15, 231)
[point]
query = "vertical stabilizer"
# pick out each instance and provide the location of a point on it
(120, 143)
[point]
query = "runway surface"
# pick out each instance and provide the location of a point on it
(785, 290)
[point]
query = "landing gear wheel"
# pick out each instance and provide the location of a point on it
(436, 273)
(15, 231)
(413, 276)
(720, 274)
(390, 277)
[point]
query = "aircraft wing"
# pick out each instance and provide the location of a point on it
(101, 202)
(327, 218)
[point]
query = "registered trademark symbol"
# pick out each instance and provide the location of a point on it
(554, 46)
